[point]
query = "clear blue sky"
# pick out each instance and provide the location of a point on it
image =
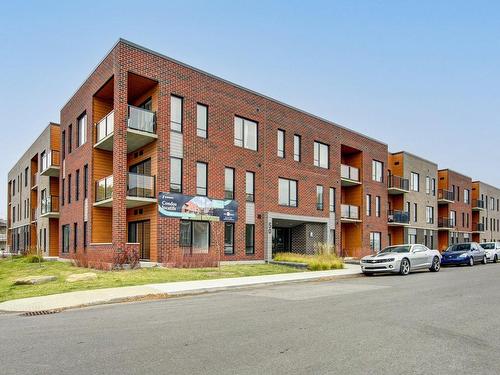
(422, 76)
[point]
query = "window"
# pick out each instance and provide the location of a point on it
(281, 143)
(75, 237)
(415, 212)
(201, 120)
(297, 147)
(85, 181)
(467, 196)
(176, 175)
(463, 219)
(321, 153)
(77, 185)
(245, 133)
(63, 144)
(377, 171)
(229, 183)
(147, 104)
(427, 185)
(65, 238)
(62, 191)
(332, 198)
(82, 129)
(375, 241)
(287, 192)
(377, 206)
(229, 238)
(176, 113)
(412, 236)
(250, 186)
(26, 176)
(195, 235)
(250, 239)
(457, 195)
(201, 178)
(453, 216)
(69, 188)
(414, 181)
(429, 215)
(368, 205)
(85, 240)
(492, 204)
(433, 187)
(319, 197)
(408, 209)
(70, 138)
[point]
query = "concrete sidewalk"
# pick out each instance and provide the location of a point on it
(129, 293)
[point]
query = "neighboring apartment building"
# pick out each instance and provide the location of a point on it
(485, 212)
(33, 197)
(176, 163)
(3, 235)
(412, 189)
(454, 208)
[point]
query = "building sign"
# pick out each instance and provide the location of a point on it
(190, 207)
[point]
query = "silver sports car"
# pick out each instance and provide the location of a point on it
(401, 259)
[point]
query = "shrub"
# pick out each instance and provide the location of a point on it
(79, 259)
(125, 257)
(32, 258)
(317, 262)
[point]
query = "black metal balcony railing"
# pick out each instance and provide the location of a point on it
(349, 212)
(444, 222)
(397, 182)
(141, 186)
(446, 195)
(50, 204)
(395, 216)
(478, 227)
(477, 203)
(105, 127)
(104, 189)
(51, 159)
(141, 119)
(349, 173)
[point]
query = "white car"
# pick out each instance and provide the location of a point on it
(492, 250)
(401, 259)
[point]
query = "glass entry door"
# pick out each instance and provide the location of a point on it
(281, 240)
(139, 232)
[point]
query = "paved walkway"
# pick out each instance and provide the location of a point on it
(111, 295)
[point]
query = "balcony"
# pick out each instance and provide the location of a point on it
(50, 207)
(349, 214)
(349, 176)
(445, 196)
(398, 185)
(34, 181)
(51, 162)
(477, 228)
(396, 217)
(445, 223)
(104, 132)
(141, 190)
(478, 205)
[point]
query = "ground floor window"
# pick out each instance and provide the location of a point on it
(412, 236)
(250, 239)
(229, 238)
(375, 241)
(65, 238)
(195, 235)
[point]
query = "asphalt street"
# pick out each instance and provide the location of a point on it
(424, 323)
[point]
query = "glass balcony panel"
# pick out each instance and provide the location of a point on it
(141, 119)
(141, 186)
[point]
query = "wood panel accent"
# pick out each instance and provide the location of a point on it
(54, 186)
(396, 164)
(102, 225)
(149, 212)
(53, 237)
(55, 137)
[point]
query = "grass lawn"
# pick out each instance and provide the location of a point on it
(11, 269)
(318, 262)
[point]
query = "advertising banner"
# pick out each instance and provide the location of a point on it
(190, 207)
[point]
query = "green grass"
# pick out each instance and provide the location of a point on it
(318, 262)
(11, 269)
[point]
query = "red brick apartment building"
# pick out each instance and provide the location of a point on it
(176, 163)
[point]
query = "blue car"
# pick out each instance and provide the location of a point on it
(464, 253)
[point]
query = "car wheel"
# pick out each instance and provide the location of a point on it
(495, 259)
(485, 260)
(404, 269)
(471, 261)
(436, 265)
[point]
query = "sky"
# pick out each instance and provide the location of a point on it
(421, 76)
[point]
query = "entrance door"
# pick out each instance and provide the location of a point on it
(139, 232)
(281, 240)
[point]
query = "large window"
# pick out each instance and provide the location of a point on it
(176, 113)
(229, 238)
(229, 183)
(377, 171)
(176, 175)
(321, 155)
(375, 241)
(377, 206)
(429, 215)
(82, 129)
(245, 133)
(201, 178)
(319, 197)
(467, 197)
(331, 197)
(250, 239)
(453, 218)
(427, 185)
(433, 187)
(201, 120)
(250, 186)
(414, 181)
(281, 143)
(297, 147)
(195, 235)
(287, 192)
(65, 238)
(368, 205)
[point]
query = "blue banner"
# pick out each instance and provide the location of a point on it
(191, 207)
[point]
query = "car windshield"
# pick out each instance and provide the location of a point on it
(488, 246)
(459, 247)
(396, 249)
